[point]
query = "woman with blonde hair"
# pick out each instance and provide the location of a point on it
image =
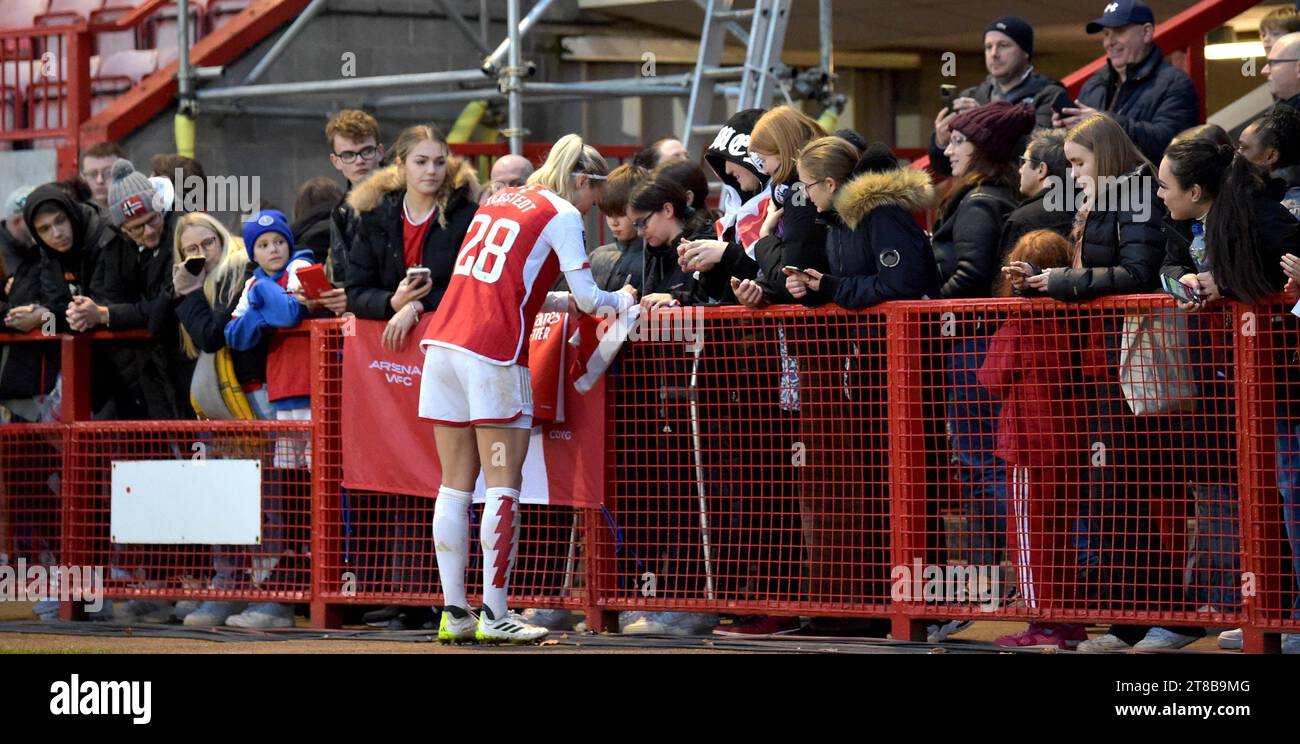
(204, 301)
(476, 387)
(413, 215)
(221, 279)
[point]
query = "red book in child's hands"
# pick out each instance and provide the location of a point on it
(313, 281)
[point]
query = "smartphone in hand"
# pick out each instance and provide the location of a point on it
(1028, 269)
(1062, 102)
(947, 93)
(418, 274)
(1180, 291)
(793, 271)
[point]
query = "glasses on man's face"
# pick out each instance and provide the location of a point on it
(138, 231)
(1028, 160)
(365, 153)
(1281, 60)
(202, 248)
(103, 174)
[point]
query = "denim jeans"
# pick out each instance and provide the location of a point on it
(1288, 483)
(972, 413)
(1218, 547)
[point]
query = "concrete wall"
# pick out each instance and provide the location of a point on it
(25, 168)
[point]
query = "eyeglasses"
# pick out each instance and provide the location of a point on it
(134, 231)
(958, 140)
(103, 174)
(365, 153)
(1281, 60)
(1028, 160)
(809, 185)
(641, 223)
(203, 246)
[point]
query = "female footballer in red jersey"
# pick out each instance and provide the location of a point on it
(476, 387)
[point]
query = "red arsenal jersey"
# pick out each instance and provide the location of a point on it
(519, 242)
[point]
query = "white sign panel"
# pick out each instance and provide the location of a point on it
(187, 502)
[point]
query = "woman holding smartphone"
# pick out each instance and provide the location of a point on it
(1228, 239)
(413, 215)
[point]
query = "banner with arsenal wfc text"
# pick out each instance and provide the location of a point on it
(387, 447)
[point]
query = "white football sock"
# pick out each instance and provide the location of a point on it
(499, 537)
(451, 542)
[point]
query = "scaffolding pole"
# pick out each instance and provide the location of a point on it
(282, 43)
(345, 84)
(514, 25)
(510, 78)
(470, 34)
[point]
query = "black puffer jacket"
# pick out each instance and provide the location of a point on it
(1034, 214)
(344, 222)
(1155, 102)
(1122, 248)
(376, 260)
(875, 251)
(967, 243)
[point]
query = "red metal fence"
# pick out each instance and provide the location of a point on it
(1114, 461)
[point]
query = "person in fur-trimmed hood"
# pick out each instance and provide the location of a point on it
(874, 249)
(414, 213)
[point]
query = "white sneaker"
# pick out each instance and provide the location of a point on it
(1230, 639)
(1163, 638)
(940, 633)
(550, 619)
(509, 629)
(452, 629)
(184, 607)
(1108, 643)
(672, 624)
(263, 615)
(212, 614)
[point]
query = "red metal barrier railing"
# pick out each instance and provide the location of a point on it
(374, 548)
(813, 462)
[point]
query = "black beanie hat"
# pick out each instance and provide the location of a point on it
(1018, 29)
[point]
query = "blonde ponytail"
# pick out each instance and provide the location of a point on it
(567, 158)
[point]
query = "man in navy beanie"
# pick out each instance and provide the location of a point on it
(1150, 98)
(1008, 51)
